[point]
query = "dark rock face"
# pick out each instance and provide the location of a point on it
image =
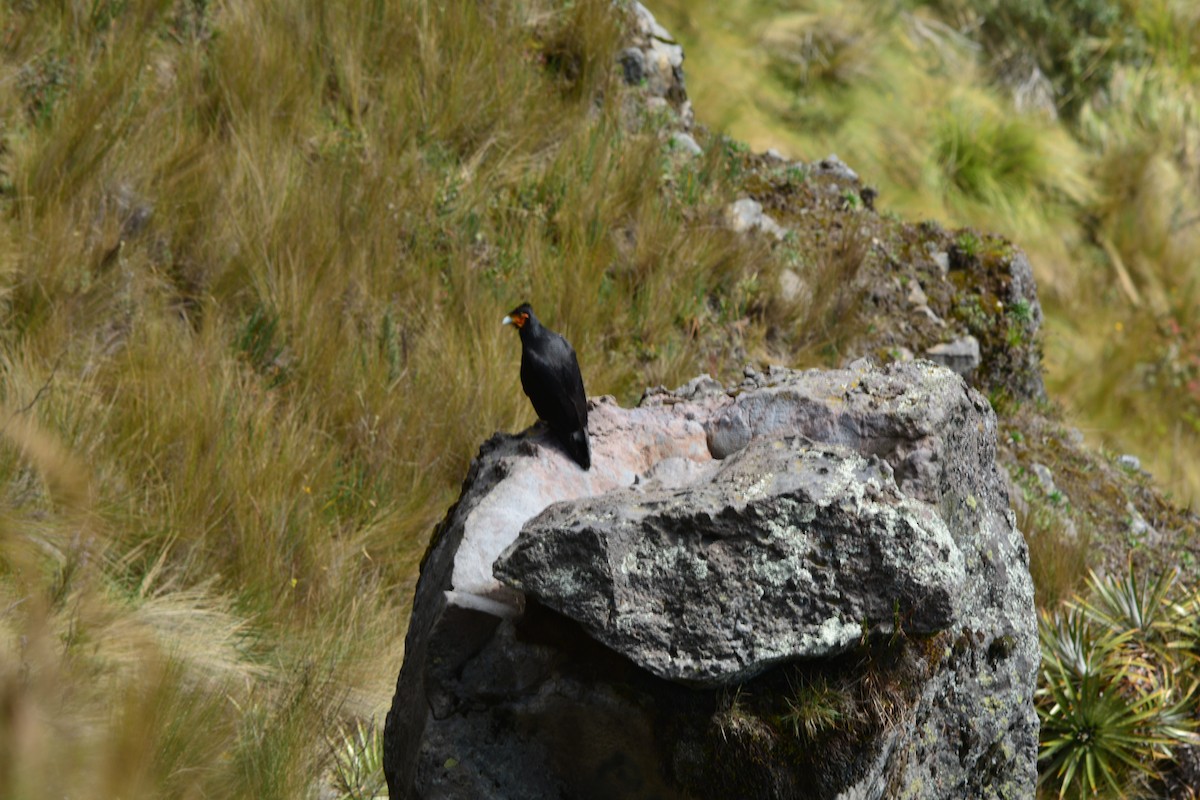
(854, 537)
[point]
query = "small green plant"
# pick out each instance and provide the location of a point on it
(797, 174)
(814, 707)
(1147, 609)
(1014, 336)
(43, 83)
(358, 763)
(257, 342)
(1021, 310)
(734, 156)
(968, 244)
(1116, 687)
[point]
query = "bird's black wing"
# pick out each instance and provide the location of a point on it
(550, 376)
(577, 392)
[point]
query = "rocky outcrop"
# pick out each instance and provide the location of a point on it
(782, 553)
(808, 585)
(653, 61)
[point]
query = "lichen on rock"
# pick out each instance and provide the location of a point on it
(787, 550)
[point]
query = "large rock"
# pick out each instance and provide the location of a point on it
(782, 553)
(731, 555)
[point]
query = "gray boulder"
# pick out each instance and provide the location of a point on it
(663, 622)
(784, 552)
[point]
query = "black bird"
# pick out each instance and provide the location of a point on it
(551, 379)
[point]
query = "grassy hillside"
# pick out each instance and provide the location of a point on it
(1069, 126)
(253, 260)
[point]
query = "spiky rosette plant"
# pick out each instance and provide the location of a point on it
(1160, 617)
(1118, 687)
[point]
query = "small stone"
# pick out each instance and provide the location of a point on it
(744, 214)
(916, 295)
(1130, 462)
(647, 24)
(860, 365)
(687, 118)
(1137, 524)
(791, 286)
(1069, 531)
(685, 143)
(727, 433)
(774, 155)
(835, 167)
(767, 224)
(1139, 529)
(657, 30)
(961, 355)
(669, 54)
(654, 104)
(941, 260)
(929, 314)
(1045, 477)
(699, 388)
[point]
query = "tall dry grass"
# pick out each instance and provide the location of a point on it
(254, 260)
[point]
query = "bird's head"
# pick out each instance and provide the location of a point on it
(520, 316)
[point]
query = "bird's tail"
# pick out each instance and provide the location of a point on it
(579, 448)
